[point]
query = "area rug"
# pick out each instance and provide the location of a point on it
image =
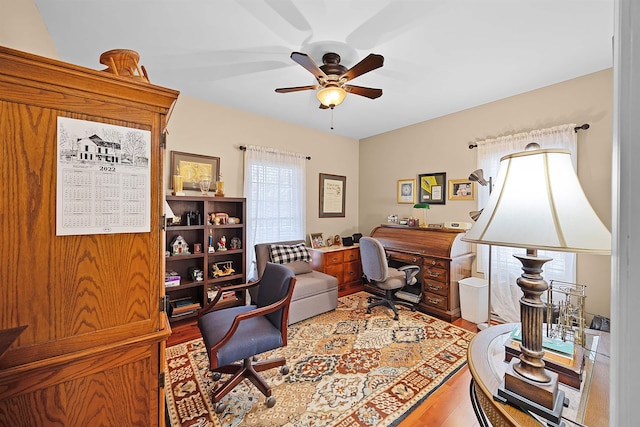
(347, 368)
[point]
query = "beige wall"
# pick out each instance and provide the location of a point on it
(204, 128)
(438, 145)
(441, 145)
(22, 28)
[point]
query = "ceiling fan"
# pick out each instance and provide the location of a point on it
(332, 77)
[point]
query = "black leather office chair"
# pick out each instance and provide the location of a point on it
(240, 333)
(376, 268)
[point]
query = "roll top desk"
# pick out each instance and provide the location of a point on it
(443, 257)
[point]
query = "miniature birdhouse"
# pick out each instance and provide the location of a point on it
(179, 246)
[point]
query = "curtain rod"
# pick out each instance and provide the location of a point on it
(576, 129)
(244, 148)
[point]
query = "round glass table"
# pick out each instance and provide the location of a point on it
(486, 357)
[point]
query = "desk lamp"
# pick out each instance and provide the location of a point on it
(537, 203)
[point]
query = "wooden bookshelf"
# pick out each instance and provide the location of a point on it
(206, 234)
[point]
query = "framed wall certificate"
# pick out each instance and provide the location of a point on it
(432, 188)
(332, 195)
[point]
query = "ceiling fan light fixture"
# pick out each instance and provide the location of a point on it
(331, 96)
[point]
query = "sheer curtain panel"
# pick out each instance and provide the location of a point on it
(274, 186)
(505, 269)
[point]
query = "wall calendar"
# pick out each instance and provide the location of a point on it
(103, 178)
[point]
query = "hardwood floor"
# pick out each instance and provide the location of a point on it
(449, 406)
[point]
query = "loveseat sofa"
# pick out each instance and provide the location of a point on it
(314, 293)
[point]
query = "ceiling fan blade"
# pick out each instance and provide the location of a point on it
(306, 61)
(371, 62)
(296, 89)
(364, 91)
(322, 106)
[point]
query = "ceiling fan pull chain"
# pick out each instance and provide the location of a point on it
(331, 118)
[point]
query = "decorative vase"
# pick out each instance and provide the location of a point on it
(219, 189)
(205, 183)
(177, 185)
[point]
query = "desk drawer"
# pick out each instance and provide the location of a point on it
(352, 271)
(351, 255)
(431, 273)
(435, 300)
(436, 262)
(405, 258)
(435, 287)
(336, 271)
(336, 257)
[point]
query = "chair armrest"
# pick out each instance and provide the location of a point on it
(239, 287)
(410, 272)
(408, 267)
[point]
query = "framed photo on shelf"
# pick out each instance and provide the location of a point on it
(461, 189)
(407, 191)
(317, 241)
(332, 195)
(432, 188)
(193, 166)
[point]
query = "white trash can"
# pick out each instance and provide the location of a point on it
(473, 299)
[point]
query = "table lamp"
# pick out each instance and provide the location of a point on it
(537, 203)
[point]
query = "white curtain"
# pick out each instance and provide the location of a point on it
(505, 294)
(274, 186)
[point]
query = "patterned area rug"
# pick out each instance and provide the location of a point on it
(347, 368)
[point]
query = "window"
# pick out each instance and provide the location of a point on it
(274, 186)
(505, 269)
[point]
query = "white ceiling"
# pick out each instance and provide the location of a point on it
(440, 56)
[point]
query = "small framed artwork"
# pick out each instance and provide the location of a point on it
(461, 189)
(192, 168)
(317, 241)
(332, 195)
(407, 191)
(432, 188)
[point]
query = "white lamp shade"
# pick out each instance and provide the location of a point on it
(331, 96)
(538, 203)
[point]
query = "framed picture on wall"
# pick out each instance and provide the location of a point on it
(461, 189)
(332, 195)
(432, 188)
(407, 191)
(193, 167)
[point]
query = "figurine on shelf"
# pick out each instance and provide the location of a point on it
(197, 275)
(222, 269)
(222, 244)
(236, 243)
(215, 271)
(228, 268)
(211, 249)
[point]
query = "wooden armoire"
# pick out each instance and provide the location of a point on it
(92, 348)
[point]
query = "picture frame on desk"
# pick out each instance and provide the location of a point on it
(191, 167)
(432, 188)
(407, 191)
(317, 241)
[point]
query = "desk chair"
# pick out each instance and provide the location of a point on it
(376, 268)
(240, 333)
